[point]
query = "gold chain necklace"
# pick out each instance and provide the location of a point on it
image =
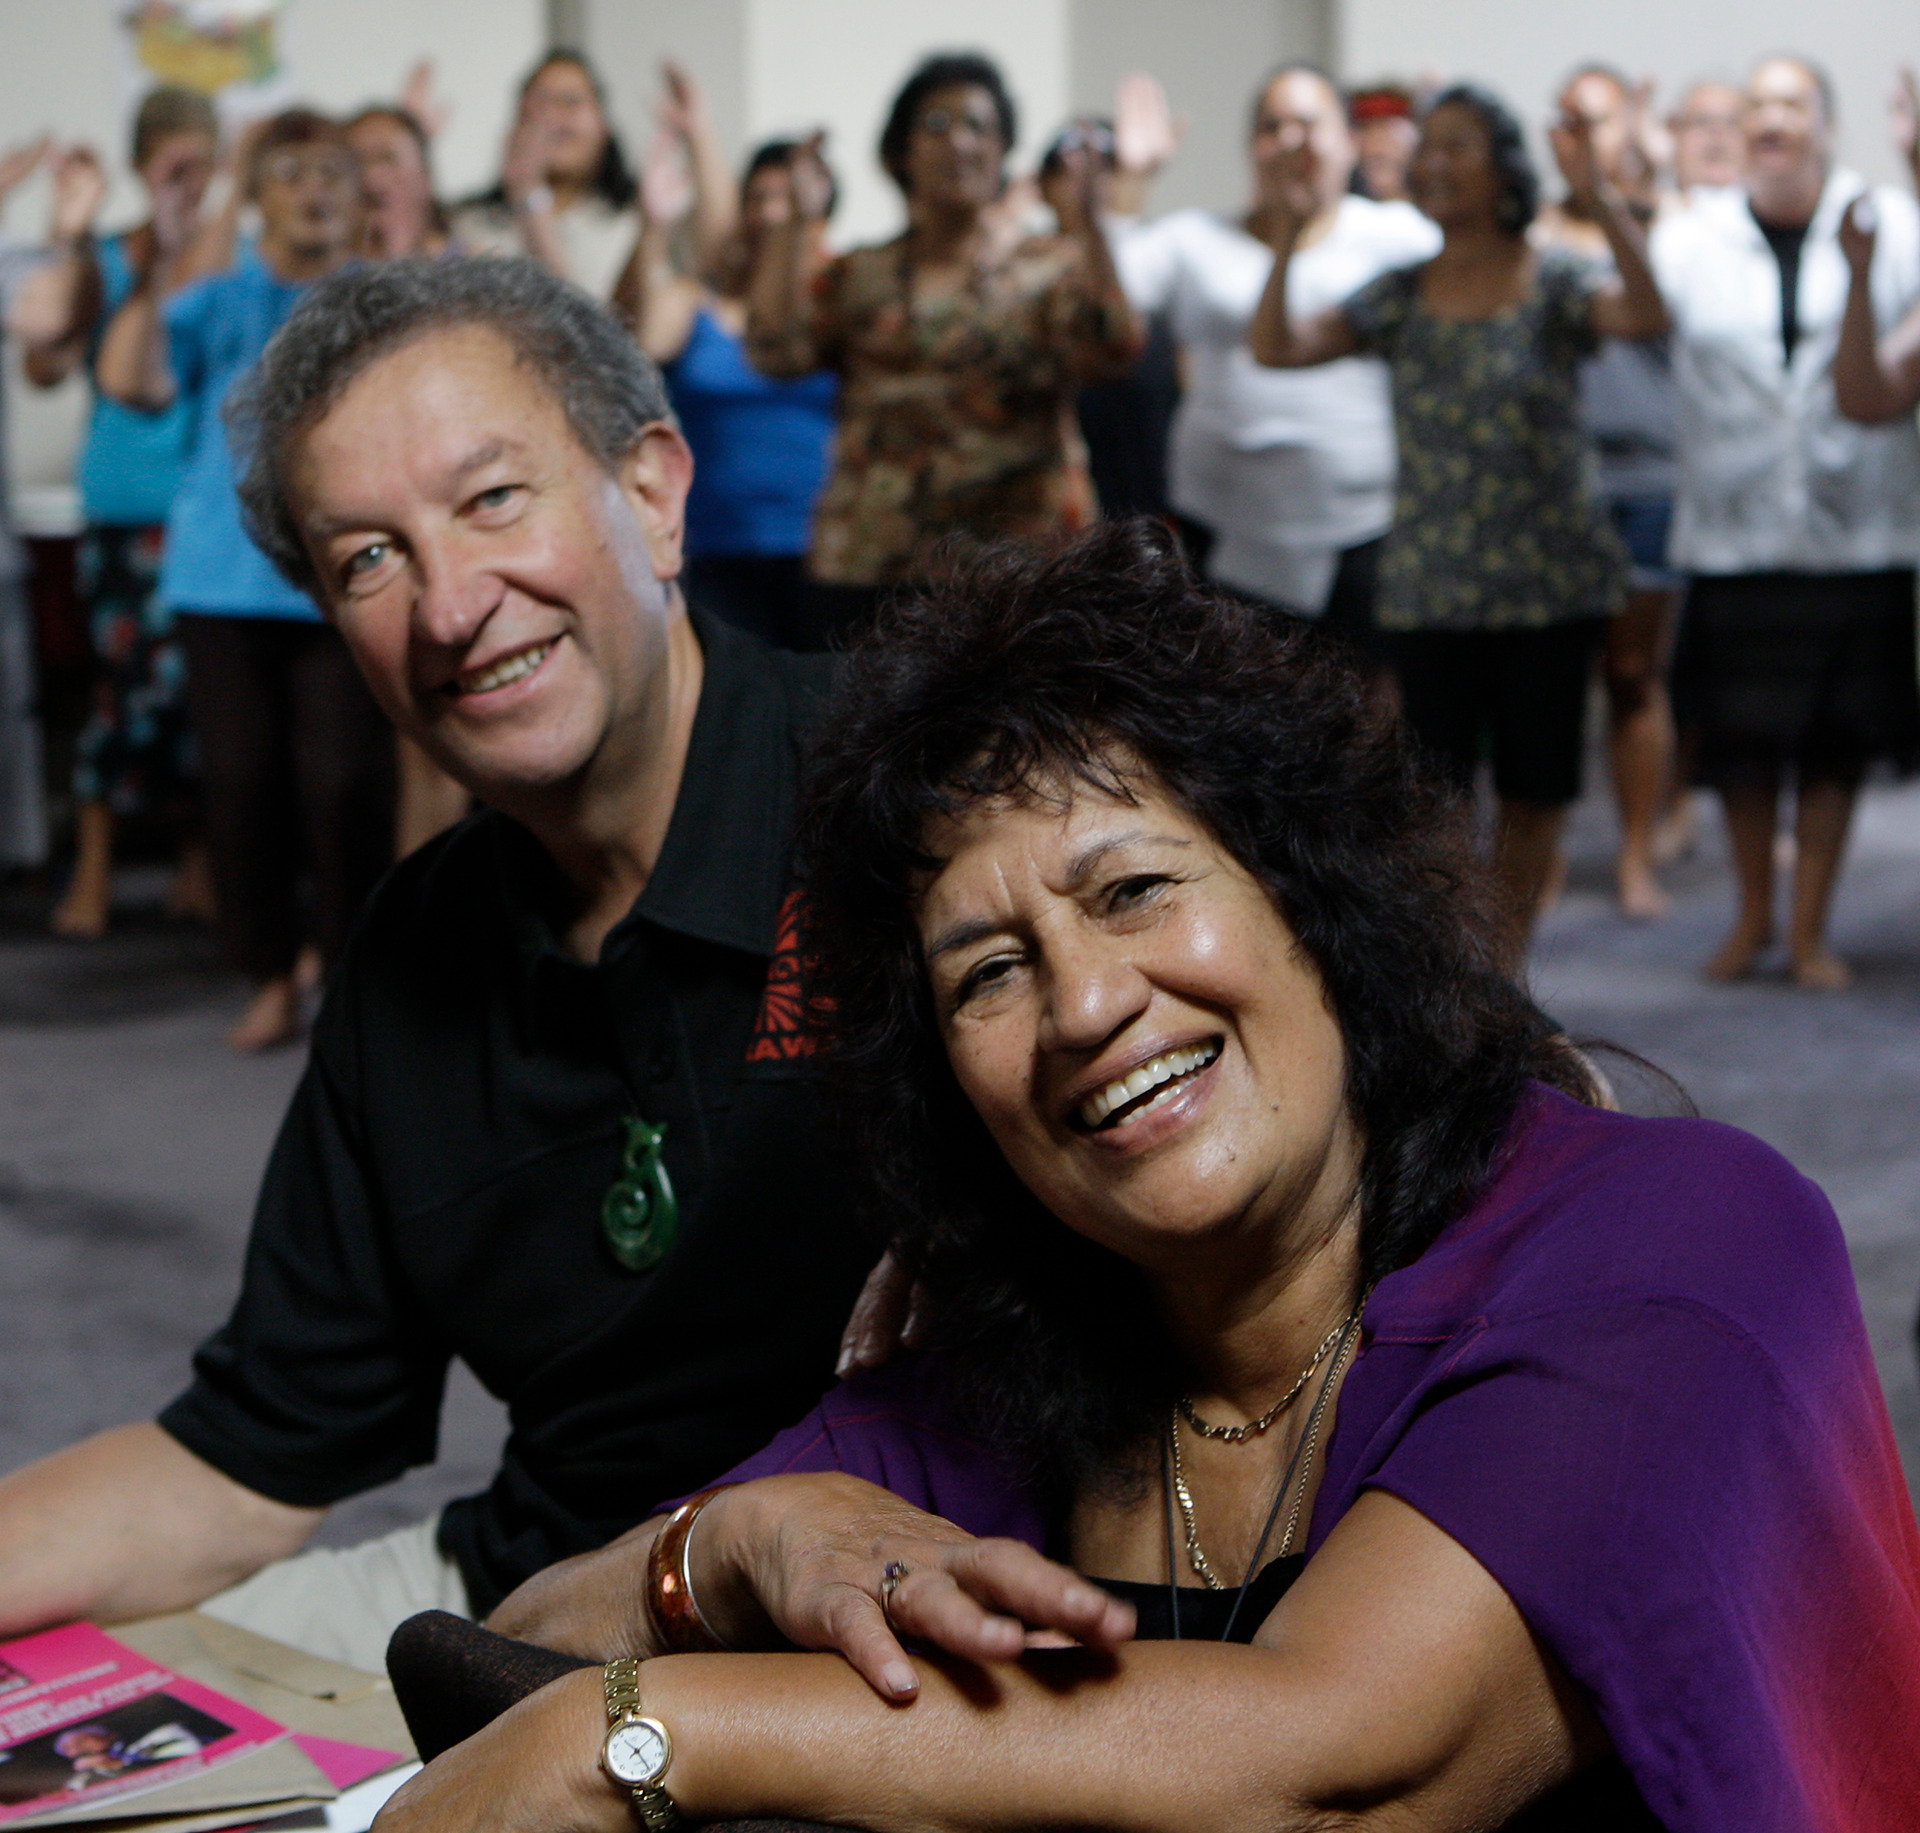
(1196, 1554)
(1236, 1435)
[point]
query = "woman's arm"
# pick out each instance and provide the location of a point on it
(1395, 1686)
(658, 300)
(716, 197)
(1278, 339)
(1100, 330)
(1875, 379)
(133, 367)
(781, 337)
(1629, 305)
(1146, 136)
(798, 1561)
(54, 310)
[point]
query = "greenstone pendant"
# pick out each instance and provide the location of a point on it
(640, 1215)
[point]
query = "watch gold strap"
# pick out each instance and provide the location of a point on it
(656, 1809)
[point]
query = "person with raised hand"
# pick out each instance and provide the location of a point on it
(134, 751)
(1799, 526)
(1631, 411)
(959, 348)
(761, 444)
(566, 195)
(296, 761)
(1284, 479)
(1501, 567)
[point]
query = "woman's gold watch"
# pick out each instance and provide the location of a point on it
(638, 1749)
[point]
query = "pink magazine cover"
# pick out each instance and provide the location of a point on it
(83, 1718)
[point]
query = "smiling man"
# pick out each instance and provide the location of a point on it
(558, 1120)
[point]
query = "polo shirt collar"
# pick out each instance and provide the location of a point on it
(724, 863)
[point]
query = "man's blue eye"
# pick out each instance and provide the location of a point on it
(366, 559)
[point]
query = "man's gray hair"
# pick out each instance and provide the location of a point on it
(607, 387)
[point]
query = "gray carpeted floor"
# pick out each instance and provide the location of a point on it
(131, 1140)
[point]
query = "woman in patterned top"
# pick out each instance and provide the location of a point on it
(1501, 567)
(960, 346)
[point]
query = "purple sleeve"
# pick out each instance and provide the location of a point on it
(1693, 1497)
(889, 1427)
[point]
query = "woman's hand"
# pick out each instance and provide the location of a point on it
(1572, 137)
(812, 182)
(79, 189)
(810, 1556)
(1859, 231)
(1289, 178)
(1146, 132)
(666, 186)
(20, 163)
(534, 1769)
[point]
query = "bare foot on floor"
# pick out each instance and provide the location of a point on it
(82, 913)
(1738, 953)
(1640, 895)
(1821, 972)
(272, 1018)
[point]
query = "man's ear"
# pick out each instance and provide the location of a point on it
(655, 477)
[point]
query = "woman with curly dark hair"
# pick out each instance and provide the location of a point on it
(1282, 1280)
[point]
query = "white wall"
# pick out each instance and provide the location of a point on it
(62, 69)
(1211, 55)
(1523, 48)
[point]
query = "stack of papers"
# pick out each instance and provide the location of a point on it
(188, 1725)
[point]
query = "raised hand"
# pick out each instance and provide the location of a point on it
(422, 99)
(1650, 137)
(1289, 179)
(79, 189)
(1572, 138)
(682, 108)
(1905, 110)
(1859, 231)
(1146, 133)
(812, 182)
(524, 169)
(666, 186)
(20, 163)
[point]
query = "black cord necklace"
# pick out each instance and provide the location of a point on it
(1308, 1437)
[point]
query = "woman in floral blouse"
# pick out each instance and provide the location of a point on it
(960, 347)
(1502, 566)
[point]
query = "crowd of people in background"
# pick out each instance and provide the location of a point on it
(1655, 431)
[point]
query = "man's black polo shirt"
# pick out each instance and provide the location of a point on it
(436, 1189)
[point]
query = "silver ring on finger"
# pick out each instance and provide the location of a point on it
(891, 1575)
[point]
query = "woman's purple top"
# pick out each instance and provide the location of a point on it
(1633, 1382)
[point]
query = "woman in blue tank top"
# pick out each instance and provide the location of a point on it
(133, 753)
(761, 447)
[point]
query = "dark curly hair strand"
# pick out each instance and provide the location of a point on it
(1020, 674)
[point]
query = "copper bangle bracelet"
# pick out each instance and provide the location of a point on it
(678, 1622)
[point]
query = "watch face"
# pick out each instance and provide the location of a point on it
(636, 1752)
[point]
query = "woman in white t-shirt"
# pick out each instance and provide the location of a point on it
(1290, 473)
(566, 195)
